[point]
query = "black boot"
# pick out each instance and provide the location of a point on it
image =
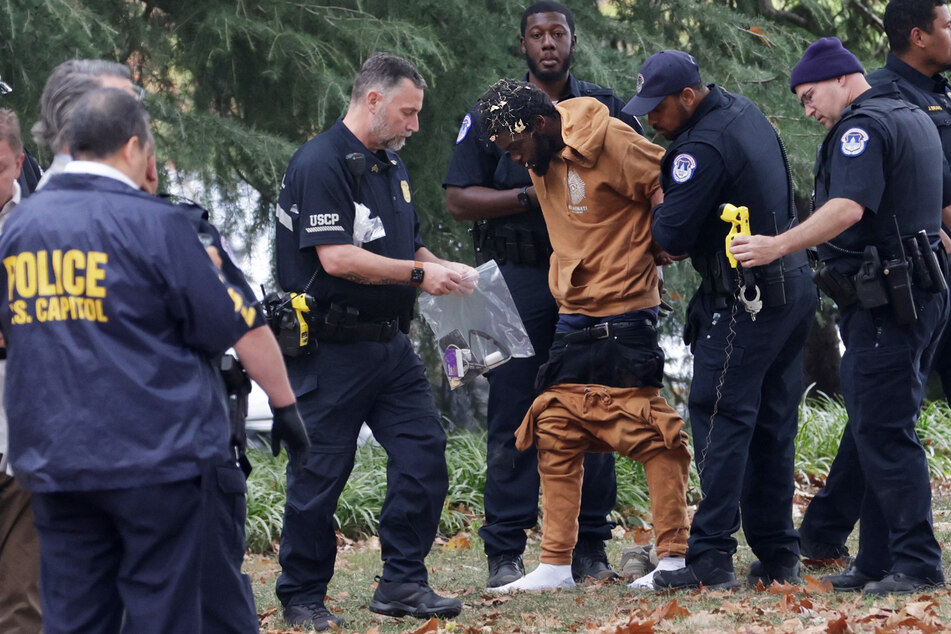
(590, 560)
(505, 568)
(313, 615)
(780, 571)
(415, 598)
(899, 583)
(713, 570)
(852, 580)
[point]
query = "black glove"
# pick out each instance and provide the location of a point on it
(289, 427)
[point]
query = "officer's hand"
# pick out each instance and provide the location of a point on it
(755, 250)
(439, 280)
(289, 427)
(468, 280)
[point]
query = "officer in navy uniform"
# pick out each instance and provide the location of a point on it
(484, 184)
(724, 151)
(919, 34)
(879, 185)
(348, 236)
(130, 314)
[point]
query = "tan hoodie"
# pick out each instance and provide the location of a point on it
(596, 202)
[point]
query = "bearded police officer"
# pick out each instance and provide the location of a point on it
(348, 236)
(484, 184)
(743, 401)
(878, 196)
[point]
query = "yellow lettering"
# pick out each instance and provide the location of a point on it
(26, 274)
(20, 315)
(101, 312)
(64, 308)
(249, 315)
(95, 273)
(52, 310)
(41, 309)
(43, 274)
(73, 284)
(237, 299)
(58, 270)
(10, 264)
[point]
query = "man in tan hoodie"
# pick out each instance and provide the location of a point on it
(597, 181)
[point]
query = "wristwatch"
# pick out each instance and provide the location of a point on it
(524, 200)
(416, 277)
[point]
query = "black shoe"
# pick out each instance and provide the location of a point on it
(714, 571)
(774, 571)
(822, 550)
(590, 560)
(898, 583)
(415, 598)
(505, 568)
(852, 580)
(313, 615)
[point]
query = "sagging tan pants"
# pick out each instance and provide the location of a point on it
(19, 561)
(568, 420)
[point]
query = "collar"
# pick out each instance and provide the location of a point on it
(572, 87)
(98, 169)
(936, 83)
(13, 202)
(884, 90)
(714, 99)
(375, 161)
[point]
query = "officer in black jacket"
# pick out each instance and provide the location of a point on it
(747, 377)
(919, 35)
(878, 193)
(487, 186)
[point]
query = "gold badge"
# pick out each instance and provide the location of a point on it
(406, 195)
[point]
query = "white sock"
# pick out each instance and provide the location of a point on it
(545, 577)
(666, 563)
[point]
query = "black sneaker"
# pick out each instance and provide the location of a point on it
(415, 598)
(505, 568)
(852, 580)
(899, 583)
(590, 560)
(767, 573)
(313, 615)
(712, 570)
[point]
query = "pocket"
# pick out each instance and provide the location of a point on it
(569, 277)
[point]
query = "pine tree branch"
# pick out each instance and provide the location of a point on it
(766, 8)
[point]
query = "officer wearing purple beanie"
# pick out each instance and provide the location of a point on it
(879, 191)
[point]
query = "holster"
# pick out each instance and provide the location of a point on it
(510, 243)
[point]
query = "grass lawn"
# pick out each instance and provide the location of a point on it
(457, 568)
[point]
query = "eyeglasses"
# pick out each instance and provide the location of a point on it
(807, 96)
(5, 88)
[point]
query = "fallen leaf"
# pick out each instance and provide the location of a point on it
(815, 586)
(432, 625)
(459, 541)
(669, 611)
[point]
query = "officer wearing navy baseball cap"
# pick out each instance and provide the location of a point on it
(723, 150)
(662, 74)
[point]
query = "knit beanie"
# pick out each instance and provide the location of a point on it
(824, 59)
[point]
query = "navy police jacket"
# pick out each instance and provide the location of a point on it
(886, 155)
(112, 312)
(727, 152)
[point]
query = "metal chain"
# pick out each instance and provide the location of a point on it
(728, 349)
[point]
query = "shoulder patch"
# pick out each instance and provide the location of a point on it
(853, 142)
(464, 128)
(683, 168)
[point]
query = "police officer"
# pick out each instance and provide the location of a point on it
(227, 597)
(743, 398)
(919, 35)
(486, 185)
(878, 193)
(128, 317)
(348, 236)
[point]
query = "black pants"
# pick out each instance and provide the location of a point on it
(338, 388)
(746, 454)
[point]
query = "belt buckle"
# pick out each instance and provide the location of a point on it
(600, 331)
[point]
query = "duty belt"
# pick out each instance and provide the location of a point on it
(600, 331)
(719, 279)
(510, 243)
(351, 333)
